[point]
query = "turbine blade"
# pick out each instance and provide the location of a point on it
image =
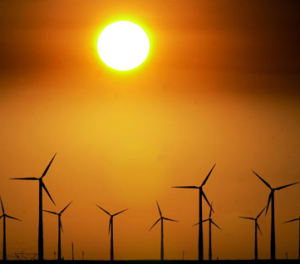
(204, 221)
(104, 210)
(45, 188)
(50, 212)
(258, 228)
(269, 200)
(285, 186)
(8, 216)
(120, 212)
(25, 179)
(168, 219)
(61, 226)
(208, 176)
(249, 218)
(207, 201)
(296, 219)
(46, 170)
(109, 226)
(158, 209)
(211, 209)
(216, 224)
(198, 223)
(155, 223)
(2, 205)
(186, 187)
(262, 180)
(260, 212)
(65, 207)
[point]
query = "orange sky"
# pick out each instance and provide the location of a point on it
(221, 85)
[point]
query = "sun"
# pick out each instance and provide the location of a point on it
(123, 45)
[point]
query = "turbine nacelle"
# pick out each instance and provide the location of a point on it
(40, 179)
(111, 216)
(4, 215)
(200, 188)
(272, 189)
(161, 217)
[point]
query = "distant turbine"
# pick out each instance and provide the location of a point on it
(162, 230)
(41, 187)
(210, 237)
(111, 230)
(256, 226)
(296, 219)
(272, 201)
(4, 215)
(60, 228)
(201, 194)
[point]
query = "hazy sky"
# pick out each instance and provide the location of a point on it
(221, 85)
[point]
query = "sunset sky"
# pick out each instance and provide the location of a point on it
(221, 85)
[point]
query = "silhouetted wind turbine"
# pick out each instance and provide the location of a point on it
(111, 230)
(4, 215)
(256, 226)
(60, 228)
(41, 187)
(272, 201)
(296, 219)
(210, 221)
(201, 194)
(162, 218)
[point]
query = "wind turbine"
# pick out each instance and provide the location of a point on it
(162, 218)
(256, 226)
(4, 215)
(201, 194)
(272, 201)
(41, 187)
(111, 230)
(210, 221)
(296, 219)
(60, 228)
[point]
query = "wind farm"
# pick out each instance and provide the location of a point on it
(162, 219)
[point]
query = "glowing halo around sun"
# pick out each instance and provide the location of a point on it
(123, 45)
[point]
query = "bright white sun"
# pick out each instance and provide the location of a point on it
(123, 45)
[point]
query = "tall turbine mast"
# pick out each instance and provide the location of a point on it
(161, 219)
(201, 195)
(42, 187)
(271, 200)
(111, 230)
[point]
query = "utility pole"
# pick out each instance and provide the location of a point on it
(72, 251)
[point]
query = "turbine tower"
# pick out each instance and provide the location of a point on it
(60, 228)
(210, 221)
(201, 194)
(111, 230)
(41, 187)
(296, 219)
(272, 201)
(162, 218)
(256, 226)
(4, 215)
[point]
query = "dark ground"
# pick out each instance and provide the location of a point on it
(166, 261)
